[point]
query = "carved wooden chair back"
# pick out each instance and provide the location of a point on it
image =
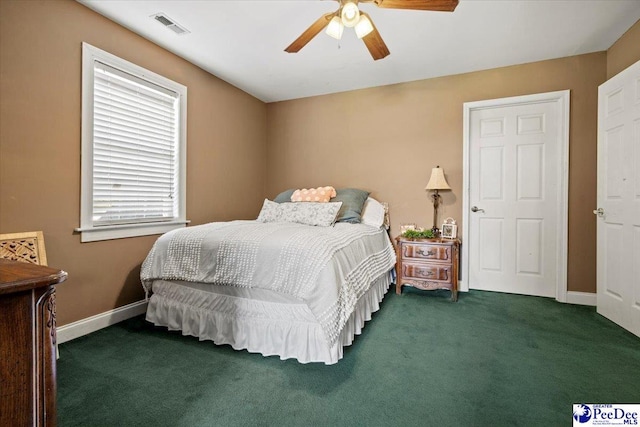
(24, 247)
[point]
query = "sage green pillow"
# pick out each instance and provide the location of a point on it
(285, 196)
(353, 201)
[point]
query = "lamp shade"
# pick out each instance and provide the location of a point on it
(335, 28)
(437, 180)
(363, 27)
(350, 14)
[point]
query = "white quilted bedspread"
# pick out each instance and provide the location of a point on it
(329, 268)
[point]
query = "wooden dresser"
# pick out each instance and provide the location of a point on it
(428, 264)
(27, 343)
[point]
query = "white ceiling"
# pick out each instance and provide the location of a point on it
(242, 42)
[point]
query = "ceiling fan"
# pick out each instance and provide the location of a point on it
(348, 15)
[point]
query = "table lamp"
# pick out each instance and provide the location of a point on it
(436, 183)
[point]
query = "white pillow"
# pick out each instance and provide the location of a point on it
(373, 213)
(309, 213)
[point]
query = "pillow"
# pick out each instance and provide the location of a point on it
(311, 213)
(320, 194)
(352, 202)
(270, 211)
(373, 213)
(285, 196)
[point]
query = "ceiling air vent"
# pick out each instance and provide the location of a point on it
(170, 24)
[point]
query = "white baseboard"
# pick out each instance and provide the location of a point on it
(573, 297)
(94, 323)
(462, 286)
(581, 298)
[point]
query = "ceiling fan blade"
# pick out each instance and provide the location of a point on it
(377, 48)
(435, 5)
(310, 33)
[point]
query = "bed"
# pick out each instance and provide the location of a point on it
(294, 286)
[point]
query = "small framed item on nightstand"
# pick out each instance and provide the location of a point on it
(449, 229)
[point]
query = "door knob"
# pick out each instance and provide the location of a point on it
(476, 209)
(599, 212)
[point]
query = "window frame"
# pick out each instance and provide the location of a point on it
(89, 232)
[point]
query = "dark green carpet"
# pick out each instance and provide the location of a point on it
(489, 360)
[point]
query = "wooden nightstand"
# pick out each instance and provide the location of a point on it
(428, 264)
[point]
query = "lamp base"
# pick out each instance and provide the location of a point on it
(436, 202)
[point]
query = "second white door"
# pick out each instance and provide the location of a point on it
(619, 199)
(515, 196)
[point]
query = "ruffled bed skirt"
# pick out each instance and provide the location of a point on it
(271, 325)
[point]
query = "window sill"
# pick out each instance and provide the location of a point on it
(94, 234)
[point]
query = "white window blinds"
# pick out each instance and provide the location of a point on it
(135, 149)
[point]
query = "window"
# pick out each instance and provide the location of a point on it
(133, 149)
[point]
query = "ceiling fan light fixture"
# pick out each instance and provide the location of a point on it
(335, 28)
(350, 14)
(363, 27)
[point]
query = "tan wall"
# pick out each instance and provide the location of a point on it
(40, 75)
(625, 51)
(387, 139)
(384, 139)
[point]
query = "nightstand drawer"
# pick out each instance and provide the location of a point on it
(422, 251)
(426, 272)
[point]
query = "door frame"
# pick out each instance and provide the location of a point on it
(562, 98)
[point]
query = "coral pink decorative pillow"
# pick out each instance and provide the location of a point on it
(320, 194)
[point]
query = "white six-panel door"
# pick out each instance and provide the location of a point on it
(515, 208)
(618, 226)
